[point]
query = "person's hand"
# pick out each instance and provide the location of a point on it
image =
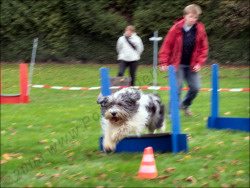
(197, 68)
(163, 68)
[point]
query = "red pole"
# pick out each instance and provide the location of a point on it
(24, 98)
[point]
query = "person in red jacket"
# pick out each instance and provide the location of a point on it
(186, 47)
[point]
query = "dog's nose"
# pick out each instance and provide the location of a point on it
(113, 113)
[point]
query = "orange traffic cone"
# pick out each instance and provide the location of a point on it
(148, 167)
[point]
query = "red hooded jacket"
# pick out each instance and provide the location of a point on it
(171, 49)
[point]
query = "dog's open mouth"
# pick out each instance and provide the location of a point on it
(114, 120)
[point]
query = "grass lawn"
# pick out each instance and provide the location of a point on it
(53, 141)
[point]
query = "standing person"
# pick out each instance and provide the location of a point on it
(186, 47)
(129, 48)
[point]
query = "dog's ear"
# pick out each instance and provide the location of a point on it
(135, 96)
(100, 98)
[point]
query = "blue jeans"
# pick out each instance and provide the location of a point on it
(193, 81)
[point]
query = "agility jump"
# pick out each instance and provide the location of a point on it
(23, 97)
(24, 81)
(216, 122)
(163, 142)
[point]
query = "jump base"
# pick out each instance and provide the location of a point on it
(161, 142)
(240, 124)
(15, 99)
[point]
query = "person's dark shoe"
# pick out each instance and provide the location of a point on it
(186, 110)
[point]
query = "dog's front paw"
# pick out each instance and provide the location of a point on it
(109, 146)
(117, 137)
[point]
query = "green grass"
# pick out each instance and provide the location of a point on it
(215, 158)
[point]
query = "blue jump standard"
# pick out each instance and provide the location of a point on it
(162, 142)
(216, 122)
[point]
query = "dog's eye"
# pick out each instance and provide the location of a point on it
(103, 103)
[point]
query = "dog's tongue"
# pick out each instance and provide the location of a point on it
(113, 119)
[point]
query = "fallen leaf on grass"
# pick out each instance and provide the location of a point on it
(225, 185)
(190, 178)
(219, 143)
(169, 170)
(40, 175)
(102, 176)
(240, 172)
(70, 158)
(205, 184)
(235, 162)
(53, 133)
(227, 113)
(189, 137)
(3, 132)
(197, 148)
(216, 176)
(9, 156)
(187, 157)
(29, 126)
(223, 76)
(160, 177)
(205, 166)
(187, 129)
(3, 161)
(71, 154)
(208, 157)
(247, 138)
(36, 159)
(240, 180)
(43, 141)
(10, 138)
(28, 186)
(83, 178)
(56, 175)
(72, 176)
(48, 184)
(75, 142)
(221, 169)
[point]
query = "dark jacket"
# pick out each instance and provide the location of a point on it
(171, 49)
